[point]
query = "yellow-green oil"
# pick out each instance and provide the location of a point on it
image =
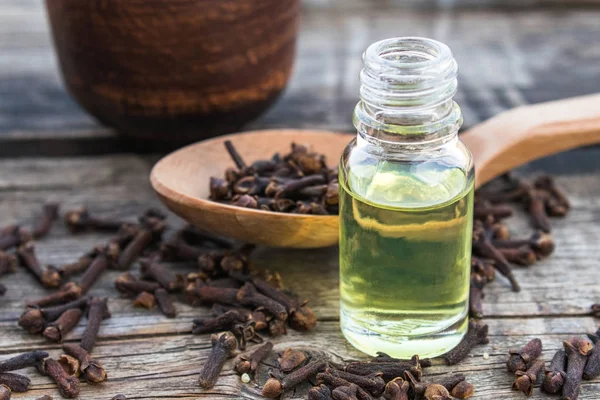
(405, 246)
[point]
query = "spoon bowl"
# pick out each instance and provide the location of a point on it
(181, 181)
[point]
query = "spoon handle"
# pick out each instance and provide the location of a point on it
(523, 134)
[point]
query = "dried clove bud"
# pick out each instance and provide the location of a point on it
(77, 267)
(372, 383)
(245, 201)
(463, 390)
(4, 392)
(103, 258)
(592, 367)
(260, 318)
(349, 392)
(250, 363)
(223, 346)
(555, 376)
(483, 209)
(219, 189)
(48, 277)
(163, 275)
(92, 370)
(14, 236)
(519, 359)
(223, 322)
(249, 296)
(301, 317)
(43, 226)
(15, 382)
(67, 385)
(211, 295)
(396, 389)
(321, 392)
(153, 228)
(130, 285)
(436, 392)
(523, 255)
(547, 183)
(145, 300)
(577, 351)
(336, 382)
(274, 387)
(69, 292)
(476, 295)
(8, 263)
(80, 220)
(449, 382)
(277, 327)
(537, 210)
(499, 231)
(476, 335)
(25, 360)
(236, 157)
(34, 319)
(177, 249)
(97, 311)
(164, 303)
(388, 369)
(291, 359)
(542, 243)
(69, 364)
(525, 379)
(484, 248)
(245, 333)
(57, 330)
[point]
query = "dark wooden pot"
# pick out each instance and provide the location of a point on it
(176, 70)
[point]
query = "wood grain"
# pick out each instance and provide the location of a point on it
(150, 356)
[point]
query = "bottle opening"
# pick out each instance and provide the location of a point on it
(407, 86)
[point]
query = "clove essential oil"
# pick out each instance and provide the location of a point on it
(406, 205)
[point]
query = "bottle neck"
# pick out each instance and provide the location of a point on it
(406, 92)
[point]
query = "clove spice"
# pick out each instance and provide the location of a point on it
(250, 363)
(463, 390)
(48, 277)
(164, 303)
(43, 226)
(396, 389)
(291, 359)
(592, 367)
(67, 385)
(223, 346)
(56, 330)
(274, 387)
(476, 335)
(92, 370)
(97, 311)
(577, 351)
(15, 382)
(221, 323)
(554, 377)
(25, 360)
(525, 380)
(321, 392)
(519, 359)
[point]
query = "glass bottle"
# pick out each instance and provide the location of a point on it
(406, 205)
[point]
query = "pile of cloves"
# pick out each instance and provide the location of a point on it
(579, 360)
(298, 182)
(494, 250)
(382, 376)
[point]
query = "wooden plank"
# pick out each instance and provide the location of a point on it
(150, 356)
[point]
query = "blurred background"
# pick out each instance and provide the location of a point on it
(509, 52)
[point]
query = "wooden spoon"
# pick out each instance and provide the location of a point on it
(500, 144)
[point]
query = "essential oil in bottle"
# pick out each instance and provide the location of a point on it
(406, 205)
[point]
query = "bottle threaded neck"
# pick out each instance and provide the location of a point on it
(406, 92)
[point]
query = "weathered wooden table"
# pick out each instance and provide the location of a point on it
(508, 56)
